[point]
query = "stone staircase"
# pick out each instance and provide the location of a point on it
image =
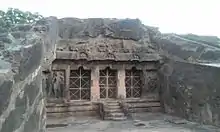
(136, 105)
(116, 110)
(76, 108)
(111, 110)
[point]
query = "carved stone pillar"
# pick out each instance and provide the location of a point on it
(95, 90)
(152, 82)
(121, 84)
(67, 78)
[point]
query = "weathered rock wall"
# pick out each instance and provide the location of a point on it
(191, 91)
(150, 82)
(22, 58)
(74, 31)
(180, 48)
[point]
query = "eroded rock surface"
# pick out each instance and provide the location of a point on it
(93, 27)
(192, 91)
(22, 58)
(29, 49)
(98, 39)
(179, 48)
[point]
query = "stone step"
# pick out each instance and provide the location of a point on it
(112, 107)
(73, 103)
(141, 100)
(116, 118)
(112, 103)
(56, 125)
(144, 105)
(112, 110)
(150, 109)
(115, 114)
(71, 108)
(146, 98)
(75, 114)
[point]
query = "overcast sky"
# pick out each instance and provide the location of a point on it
(178, 16)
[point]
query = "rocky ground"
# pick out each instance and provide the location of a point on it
(152, 122)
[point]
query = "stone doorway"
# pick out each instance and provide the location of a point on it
(133, 83)
(108, 83)
(79, 87)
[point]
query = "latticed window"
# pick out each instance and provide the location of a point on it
(80, 84)
(107, 83)
(133, 83)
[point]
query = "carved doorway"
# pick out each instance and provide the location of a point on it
(133, 83)
(108, 83)
(79, 86)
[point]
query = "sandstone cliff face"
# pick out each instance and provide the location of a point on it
(22, 58)
(74, 31)
(191, 91)
(188, 50)
(105, 39)
(98, 39)
(187, 90)
(29, 49)
(94, 28)
(113, 28)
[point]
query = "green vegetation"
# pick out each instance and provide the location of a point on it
(15, 16)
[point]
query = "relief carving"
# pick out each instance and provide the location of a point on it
(70, 48)
(49, 87)
(102, 48)
(55, 84)
(136, 57)
(152, 84)
(83, 55)
(110, 56)
(152, 81)
(76, 50)
(123, 50)
(111, 49)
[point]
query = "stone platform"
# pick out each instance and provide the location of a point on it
(106, 109)
(148, 122)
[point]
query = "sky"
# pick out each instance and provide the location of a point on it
(200, 17)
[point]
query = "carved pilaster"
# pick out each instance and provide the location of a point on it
(66, 93)
(144, 81)
(150, 83)
(95, 90)
(121, 84)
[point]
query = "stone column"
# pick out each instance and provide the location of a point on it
(95, 90)
(121, 84)
(67, 78)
